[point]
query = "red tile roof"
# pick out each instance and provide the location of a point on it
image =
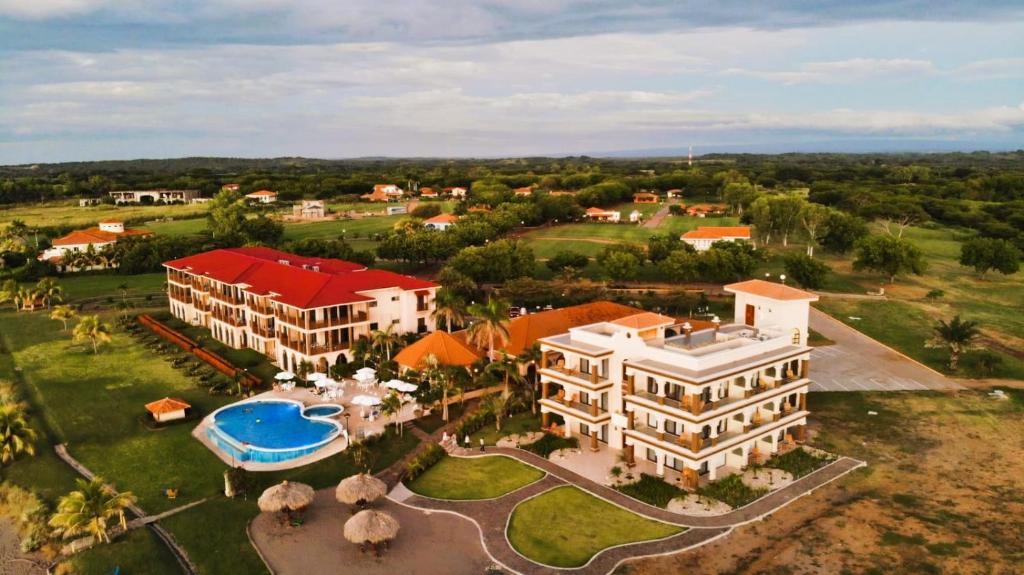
(644, 320)
(97, 236)
(717, 232)
(771, 290)
(298, 281)
(525, 330)
(449, 349)
(442, 219)
(166, 405)
(261, 193)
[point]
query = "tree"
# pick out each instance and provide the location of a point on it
(956, 335)
(531, 356)
(806, 271)
(739, 196)
(16, 436)
(362, 456)
(985, 254)
(449, 308)
(391, 405)
(490, 326)
(63, 314)
(621, 265)
(91, 328)
(497, 262)
(496, 404)
(890, 255)
(304, 368)
(9, 293)
(785, 214)
(90, 509)
(382, 340)
(262, 230)
(681, 266)
(49, 291)
(813, 217)
(567, 259)
(226, 217)
(507, 368)
(842, 231)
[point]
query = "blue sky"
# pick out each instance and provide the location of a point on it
(117, 79)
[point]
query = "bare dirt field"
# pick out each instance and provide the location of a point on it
(943, 493)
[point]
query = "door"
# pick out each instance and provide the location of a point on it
(750, 315)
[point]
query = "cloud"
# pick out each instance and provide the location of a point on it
(991, 69)
(853, 70)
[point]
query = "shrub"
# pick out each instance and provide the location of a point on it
(550, 443)
(731, 491)
(472, 423)
(424, 461)
(799, 462)
(652, 490)
(28, 513)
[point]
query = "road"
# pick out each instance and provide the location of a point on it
(858, 363)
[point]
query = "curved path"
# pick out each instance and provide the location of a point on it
(491, 516)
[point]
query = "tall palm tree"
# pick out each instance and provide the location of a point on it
(449, 308)
(16, 436)
(49, 291)
(63, 314)
(90, 509)
(497, 404)
(531, 356)
(123, 288)
(382, 340)
(957, 335)
(491, 327)
(9, 293)
(91, 328)
(28, 296)
(507, 368)
(391, 405)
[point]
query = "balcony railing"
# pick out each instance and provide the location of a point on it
(591, 378)
(228, 299)
(262, 331)
(586, 410)
(179, 297)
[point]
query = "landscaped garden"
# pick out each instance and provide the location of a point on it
(482, 477)
(799, 462)
(566, 526)
(516, 424)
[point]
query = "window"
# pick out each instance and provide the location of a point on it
(584, 429)
(394, 321)
(651, 455)
(373, 326)
(670, 427)
(584, 397)
(373, 303)
(584, 365)
(395, 298)
(675, 463)
(652, 385)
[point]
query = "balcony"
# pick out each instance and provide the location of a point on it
(201, 305)
(260, 309)
(262, 331)
(576, 376)
(313, 348)
(178, 297)
(228, 299)
(228, 319)
(578, 409)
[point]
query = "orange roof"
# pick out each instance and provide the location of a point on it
(261, 193)
(449, 349)
(96, 236)
(442, 219)
(525, 330)
(427, 192)
(770, 290)
(644, 320)
(645, 195)
(707, 207)
(717, 232)
(166, 405)
(479, 209)
(598, 212)
(526, 190)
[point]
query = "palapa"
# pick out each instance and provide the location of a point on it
(359, 489)
(371, 526)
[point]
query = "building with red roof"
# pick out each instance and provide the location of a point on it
(262, 196)
(108, 232)
(704, 237)
(602, 215)
(294, 308)
(441, 221)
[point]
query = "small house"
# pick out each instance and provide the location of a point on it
(167, 409)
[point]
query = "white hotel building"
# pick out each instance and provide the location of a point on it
(293, 308)
(696, 401)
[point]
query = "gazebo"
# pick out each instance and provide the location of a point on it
(167, 409)
(449, 349)
(360, 489)
(286, 497)
(371, 527)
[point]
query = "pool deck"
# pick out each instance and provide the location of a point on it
(359, 427)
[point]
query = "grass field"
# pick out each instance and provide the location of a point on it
(70, 214)
(474, 478)
(519, 423)
(566, 526)
(94, 404)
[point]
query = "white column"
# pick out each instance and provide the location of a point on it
(659, 468)
(568, 426)
(712, 472)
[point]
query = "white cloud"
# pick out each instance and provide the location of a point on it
(38, 9)
(991, 69)
(848, 71)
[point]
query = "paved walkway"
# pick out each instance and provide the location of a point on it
(658, 217)
(492, 515)
(857, 362)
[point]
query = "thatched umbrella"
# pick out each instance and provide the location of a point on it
(360, 489)
(286, 497)
(371, 527)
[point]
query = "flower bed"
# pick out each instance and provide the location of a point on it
(651, 490)
(551, 443)
(731, 491)
(800, 462)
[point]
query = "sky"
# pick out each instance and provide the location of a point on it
(123, 79)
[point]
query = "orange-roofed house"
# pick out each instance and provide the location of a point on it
(456, 192)
(704, 237)
(523, 192)
(602, 215)
(441, 222)
(262, 197)
(645, 198)
(428, 193)
(105, 234)
(687, 400)
(447, 348)
(384, 193)
(705, 210)
(230, 187)
(294, 308)
(167, 409)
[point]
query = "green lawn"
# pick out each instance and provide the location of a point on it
(179, 227)
(78, 287)
(94, 404)
(475, 478)
(140, 551)
(351, 229)
(566, 526)
(519, 423)
(70, 214)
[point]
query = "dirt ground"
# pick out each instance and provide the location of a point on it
(943, 493)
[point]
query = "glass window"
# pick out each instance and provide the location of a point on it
(651, 455)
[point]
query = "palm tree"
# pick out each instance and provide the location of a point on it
(956, 335)
(49, 291)
(497, 404)
(90, 509)
(28, 297)
(449, 308)
(507, 368)
(91, 328)
(392, 404)
(531, 356)
(64, 314)
(491, 324)
(16, 436)
(361, 456)
(304, 368)
(9, 293)
(383, 339)
(123, 288)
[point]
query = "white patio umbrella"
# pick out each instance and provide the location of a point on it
(325, 382)
(284, 375)
(316, 376)
(365, 401)
(399, 385)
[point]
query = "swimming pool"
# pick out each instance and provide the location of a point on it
(325, 410)
(269, 430)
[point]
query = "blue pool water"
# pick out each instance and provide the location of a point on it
(269, 431)
(323, 410)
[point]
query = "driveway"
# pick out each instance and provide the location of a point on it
(858, 363)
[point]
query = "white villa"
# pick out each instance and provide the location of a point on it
(704, 237)
(441, 222)
(600, 215)
(154, 196)
(293, 308)
(262, 197)
(104, 234)
(697, 399)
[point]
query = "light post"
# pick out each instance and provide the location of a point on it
(347, 430)
(782, 278)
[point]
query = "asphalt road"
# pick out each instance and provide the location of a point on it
(858, 363)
